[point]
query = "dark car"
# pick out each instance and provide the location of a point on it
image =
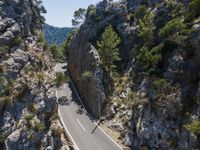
(63, 100)
(80, 110)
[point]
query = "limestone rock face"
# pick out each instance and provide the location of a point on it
(87, 60)
(28, 104)
(152, 110)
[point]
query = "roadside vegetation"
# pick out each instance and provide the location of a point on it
(193, 127)
(61, 78)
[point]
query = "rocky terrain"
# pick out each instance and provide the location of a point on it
(28, 107)
(154, 102)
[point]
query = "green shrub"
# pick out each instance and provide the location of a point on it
(146, 28)
(130, 99)
(86, 75)
(57, 52)
(39, 126)
(107, 48)
(194, 8)
(41, 76)
(193, 127)
(58, 131)
(148, 59)
(17, 41)
(130, 16)
(93, 15)
(4, 50)
(29, 117)
(68, 42)
(41, 38)
(173, 27)
(160, 83)
(2, 141)
(61, 78)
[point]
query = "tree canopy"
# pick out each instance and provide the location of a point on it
(79, 17)
(107, 47)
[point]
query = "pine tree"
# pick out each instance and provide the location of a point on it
(79, 17)
(108, 51)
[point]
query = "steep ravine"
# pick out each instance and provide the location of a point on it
(28, 108)
(155, 98)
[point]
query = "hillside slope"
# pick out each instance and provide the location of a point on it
(151, 100)
(56, 35)
(28, 108)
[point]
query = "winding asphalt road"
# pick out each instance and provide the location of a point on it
(80, 125)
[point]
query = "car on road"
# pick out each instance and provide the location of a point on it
(80, 110)
(63, 100)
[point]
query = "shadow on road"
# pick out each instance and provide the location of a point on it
(81, 110)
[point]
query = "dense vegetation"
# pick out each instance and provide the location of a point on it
(56, 35)
(79, 17)
(108, 51)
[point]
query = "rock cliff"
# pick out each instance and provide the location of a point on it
(155, 95)
(28, 108)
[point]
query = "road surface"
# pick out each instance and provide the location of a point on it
(80, 125)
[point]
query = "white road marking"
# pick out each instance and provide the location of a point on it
(81, 125)
(62, 122)
(89, 117)
(93, 119)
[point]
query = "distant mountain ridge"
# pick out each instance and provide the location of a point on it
(56, 35)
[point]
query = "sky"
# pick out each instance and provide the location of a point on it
(60, 12)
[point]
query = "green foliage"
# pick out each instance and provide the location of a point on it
(58, 131)
(41, 76)
(29, 117)
(176, 8)
(57, 52)
(193, 127)
(4, 50)
(79, 17)
(39, 127)
(40, 38)
(17, 41)
(86, 75)
(107, 48)
(148, 59)
(92, 14)
(194, 8)
(173, 27)
(68, 42)
(160, 83)
(130, 99)
(56, 35)
(61, 78)
(130, 16)
(2, 141)
(146, 28)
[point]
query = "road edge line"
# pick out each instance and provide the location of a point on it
(62, 121)
(93, 119)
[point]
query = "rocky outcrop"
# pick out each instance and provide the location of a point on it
(87, 59)
(28, 104)
(143, 104)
